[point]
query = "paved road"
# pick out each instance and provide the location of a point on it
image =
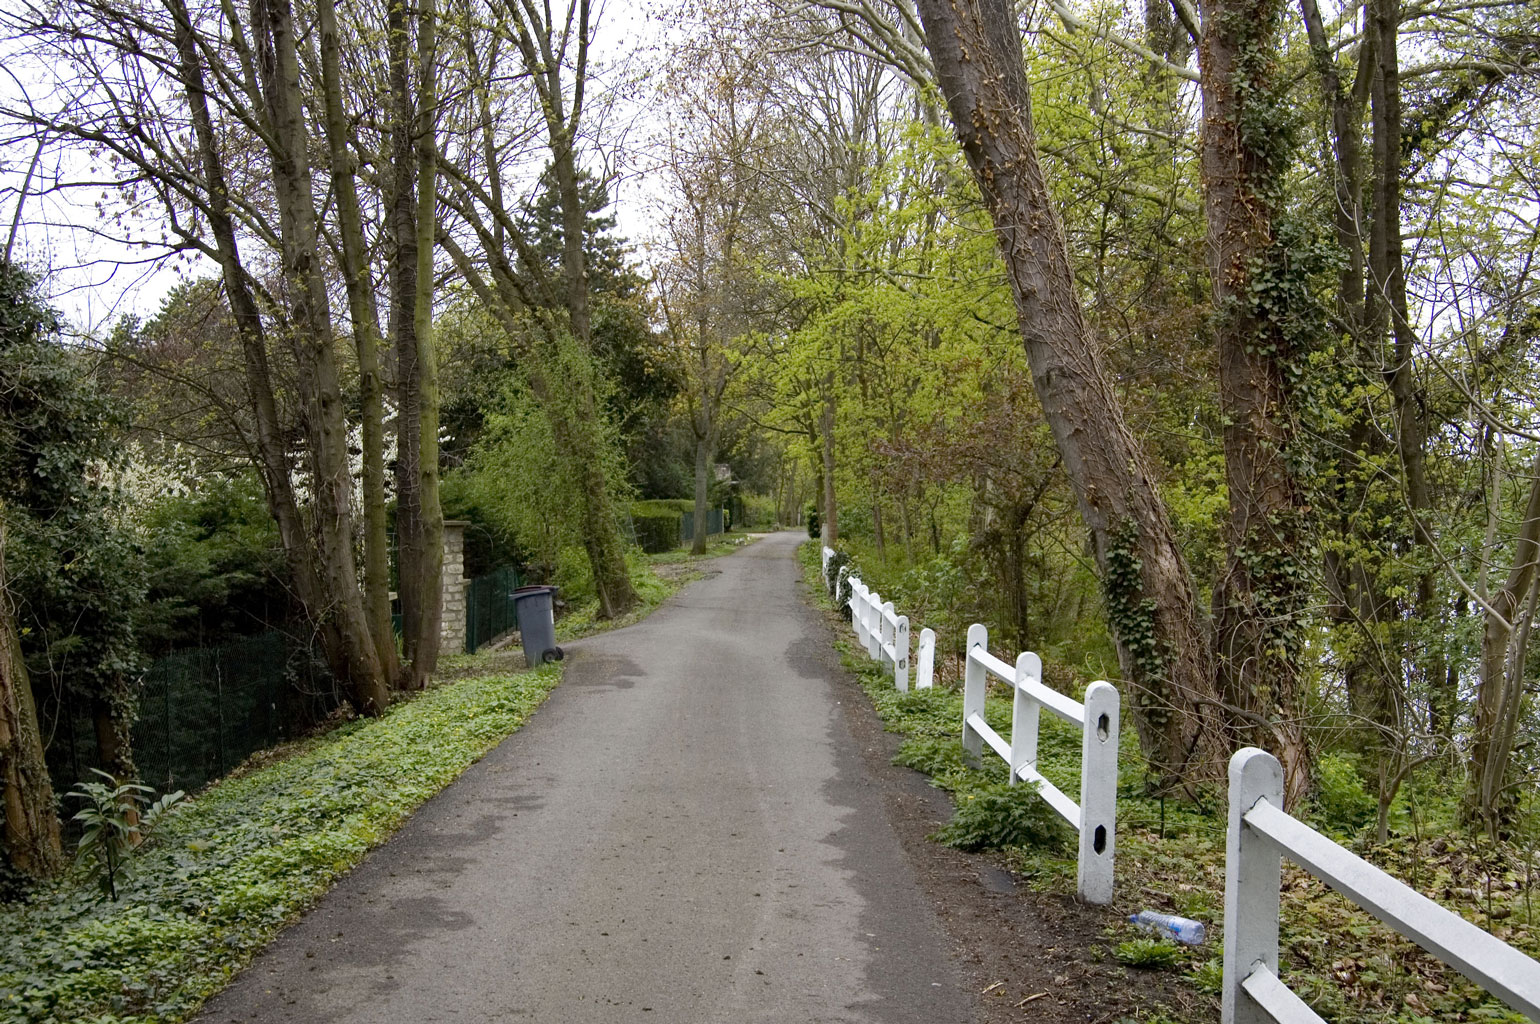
(682, 834)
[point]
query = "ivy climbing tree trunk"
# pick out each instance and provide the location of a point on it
(1263, 330)
(31, 834)
(975, 46)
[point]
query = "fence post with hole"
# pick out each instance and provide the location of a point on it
(1253, 873)
(975, 680)
(1098, 792)
(925, 664)
(901, 653)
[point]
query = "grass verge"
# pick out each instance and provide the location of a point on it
(226, 872)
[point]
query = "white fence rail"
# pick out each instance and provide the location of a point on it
(1097, 718)
(1260, 835)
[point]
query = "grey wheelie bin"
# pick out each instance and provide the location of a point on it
(535, 607)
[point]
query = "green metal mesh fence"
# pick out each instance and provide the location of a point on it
(489, 607)
(204, 711)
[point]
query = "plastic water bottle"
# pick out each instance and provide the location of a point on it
(1182, 929)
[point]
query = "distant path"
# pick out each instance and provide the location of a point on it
(684, 833)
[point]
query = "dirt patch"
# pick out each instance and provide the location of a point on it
(677, 572)
(1032, 956)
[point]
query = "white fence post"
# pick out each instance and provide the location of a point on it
(1253, 874)
(1024, 714)
(974, 682)
(887, 628)
(901, 650)
(925, 666)
(858, 609)
(873, 624)
(1098, 792)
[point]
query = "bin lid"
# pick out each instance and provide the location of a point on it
(531, 591)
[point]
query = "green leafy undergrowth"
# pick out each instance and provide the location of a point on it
(996, 815)
(1148, 953)
(233, 867)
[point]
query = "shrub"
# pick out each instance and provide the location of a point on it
(657, 532)
(837, 562)
(1342, 803)
(814, 522)
(998, 815)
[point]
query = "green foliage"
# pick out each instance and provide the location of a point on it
(74, 571)
(526, 491)
(214, 565)
(943, 759)
(113, 827)
(814, 521)
(230, 870)
(656, 532)
(1148, 953)
(1132, 616)
(1208, 977)
(1341, 804)
(997, 815)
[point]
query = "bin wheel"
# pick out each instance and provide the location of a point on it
(554, 654)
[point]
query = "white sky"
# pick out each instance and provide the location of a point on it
(93, 279)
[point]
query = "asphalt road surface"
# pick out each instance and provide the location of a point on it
(683, 833)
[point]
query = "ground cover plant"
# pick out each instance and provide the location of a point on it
(1170, 857)
(231, 867)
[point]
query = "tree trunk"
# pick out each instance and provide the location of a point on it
(429, 581)
(1501, 689)
(411, 544)
(349, 654)
(1259, 600)
(31, 835)
(976, 48)
(704, 457)
(829, 527)
(363, 311)
(310, 337)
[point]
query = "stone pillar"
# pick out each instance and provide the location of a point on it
(452, 622)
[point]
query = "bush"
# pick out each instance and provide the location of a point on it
(814, 522)
(657, 532)
(998, 815)
(838, 561)
(1342, 803)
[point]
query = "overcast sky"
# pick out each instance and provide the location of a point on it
(93, 280)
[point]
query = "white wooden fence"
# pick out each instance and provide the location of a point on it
(882, 631)
(1097, 718)
(884, 635)
(1261, 834)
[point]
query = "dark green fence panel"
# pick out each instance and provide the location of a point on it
(489, 607)
(204, 711)
(713, 523)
